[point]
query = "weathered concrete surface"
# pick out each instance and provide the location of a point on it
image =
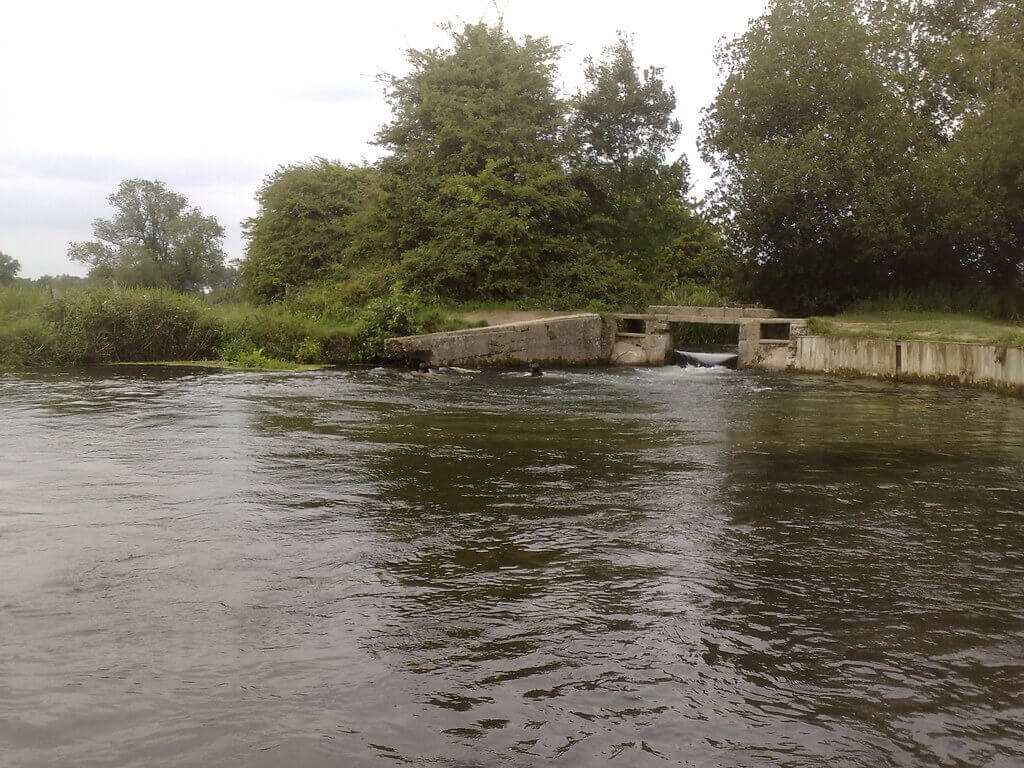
(716, 315)
(583, 339)
(636, 349)
(867, 357)
(999, 367)
(942, 362)
(756, 351)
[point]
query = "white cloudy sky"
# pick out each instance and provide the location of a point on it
(211, 96)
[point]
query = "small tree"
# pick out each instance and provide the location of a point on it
(9, 268)
(154, 239)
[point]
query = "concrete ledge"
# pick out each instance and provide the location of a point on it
(583, 339)
(714, 315)
(985, 366)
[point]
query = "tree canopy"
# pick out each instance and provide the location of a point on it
(9, 268)
(866, 146)
(495, 186)
(154, 239)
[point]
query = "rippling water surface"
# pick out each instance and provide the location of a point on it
(650, 567)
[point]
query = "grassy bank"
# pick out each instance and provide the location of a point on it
(104, 325)
(930, 326)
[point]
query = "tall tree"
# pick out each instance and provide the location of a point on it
(154, 239)
(621, 130)
(476, 201)
(812, 144)
(304, 225)
(864, 146)
(9, 268)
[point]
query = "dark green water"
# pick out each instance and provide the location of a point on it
(657, 567)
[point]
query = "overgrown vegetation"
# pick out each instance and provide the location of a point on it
(496, 187)
(99, 325)
(864, 147)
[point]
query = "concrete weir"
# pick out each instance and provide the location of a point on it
(765, 341)
(580, 339)
(583, 339)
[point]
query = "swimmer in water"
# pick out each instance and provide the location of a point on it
(422, 369)
(534, 370)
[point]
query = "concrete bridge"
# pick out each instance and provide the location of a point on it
(594, 339)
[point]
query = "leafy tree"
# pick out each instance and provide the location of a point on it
(812, 145)
(476, 201)
(154, 239)
(621, 130)
(9, 268)
(303, 227)
(489, 192)
(866, 146)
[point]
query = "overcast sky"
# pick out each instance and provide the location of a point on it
(212, 96)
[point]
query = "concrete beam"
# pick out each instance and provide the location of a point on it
(715, 315)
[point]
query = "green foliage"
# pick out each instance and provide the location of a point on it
(155, 239)
(96, 326)
(495, 188)
(397, 314)
(130, 325)
(621, 129)
(688, 335)
(302, 227)
(9, 268)
(867, 147)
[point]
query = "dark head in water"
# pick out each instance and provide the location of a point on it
(422, 367)
(535, 370)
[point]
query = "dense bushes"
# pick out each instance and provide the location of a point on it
(105, 325)
(495, 187)
(102, 326)
(98, 326)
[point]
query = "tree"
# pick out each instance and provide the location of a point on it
(871, 146)
(9, 268)
(303, 227)
(813, 145)
(475, 199)
(488, 192)
(621, 130)
(155, 239)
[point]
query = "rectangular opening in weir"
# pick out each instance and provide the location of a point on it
(696, 335)
(632, 325)
(775, 331)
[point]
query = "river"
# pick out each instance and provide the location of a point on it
(642, 567)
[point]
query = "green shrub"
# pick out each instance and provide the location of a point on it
(101, 326)
(397, 314)
(308, 351)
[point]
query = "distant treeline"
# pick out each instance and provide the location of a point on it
(861, 148)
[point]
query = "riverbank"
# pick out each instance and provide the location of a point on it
(923, 326)
(99, 325)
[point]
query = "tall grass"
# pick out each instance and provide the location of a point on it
(973, 299)
(105, 325)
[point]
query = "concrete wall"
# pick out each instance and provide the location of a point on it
(869, 357)
(968, 363)
(650, 349)
(985, 365)
(583, 339)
